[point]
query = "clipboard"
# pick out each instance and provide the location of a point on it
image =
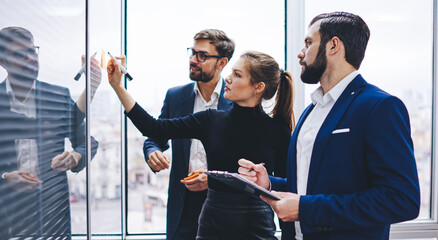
(238, 182)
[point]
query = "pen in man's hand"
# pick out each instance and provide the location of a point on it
(121, 67)
(252, 169)
(29, 177)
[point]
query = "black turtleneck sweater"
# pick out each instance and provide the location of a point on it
(227, 136)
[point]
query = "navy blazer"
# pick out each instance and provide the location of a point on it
(45, 211)
(179, 102)
(363, 177)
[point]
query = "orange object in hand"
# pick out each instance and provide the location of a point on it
(29, 177)
(194, 175)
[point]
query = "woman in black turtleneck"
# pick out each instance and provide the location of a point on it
(245, 131)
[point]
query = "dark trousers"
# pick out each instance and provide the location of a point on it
(228, 216)
(188, 226)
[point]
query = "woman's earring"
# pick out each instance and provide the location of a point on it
(255, 94)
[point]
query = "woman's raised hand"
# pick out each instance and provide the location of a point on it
(115, 79)
(114, 72)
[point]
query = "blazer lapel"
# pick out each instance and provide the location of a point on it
(329, 124)
(188, 100)
(39, 100)
(4, 99)
(292, 153)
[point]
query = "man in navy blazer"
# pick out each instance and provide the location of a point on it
(210, 53)
(351, 166)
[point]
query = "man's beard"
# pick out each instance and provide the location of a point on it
(27, 73)
(202, 76)
(312, 73)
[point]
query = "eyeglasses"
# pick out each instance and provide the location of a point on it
(24, 53)
(200, 56)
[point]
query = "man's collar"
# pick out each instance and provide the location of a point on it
(317, 96)
(216, 90)
(11, 92)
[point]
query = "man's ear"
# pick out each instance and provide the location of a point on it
(334, 45)
(222, 62)
(259, 87)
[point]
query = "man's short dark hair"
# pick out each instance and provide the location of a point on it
(14, 34)
(223, 44)
(350, 29)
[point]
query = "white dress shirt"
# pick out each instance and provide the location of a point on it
(310, 128)
(27, 151)
(198, 157)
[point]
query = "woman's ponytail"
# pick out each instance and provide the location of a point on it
(264, 68)
(283, 108)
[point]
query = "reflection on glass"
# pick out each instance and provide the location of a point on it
(36, 117)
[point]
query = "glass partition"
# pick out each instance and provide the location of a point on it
(105, 116)
(42, 139)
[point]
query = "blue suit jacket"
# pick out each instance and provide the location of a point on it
(45, 211)
(179, 102)
(360, 181)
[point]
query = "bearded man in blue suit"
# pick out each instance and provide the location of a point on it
(351, 166)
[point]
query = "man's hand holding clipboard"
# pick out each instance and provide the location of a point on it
(287, 207)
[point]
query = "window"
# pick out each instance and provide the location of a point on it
(158, 36)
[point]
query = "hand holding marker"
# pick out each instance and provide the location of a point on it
(121, 67)
(194, 175)
(30, 178)
(82, 70)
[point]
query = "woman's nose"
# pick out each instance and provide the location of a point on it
(228, 79)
